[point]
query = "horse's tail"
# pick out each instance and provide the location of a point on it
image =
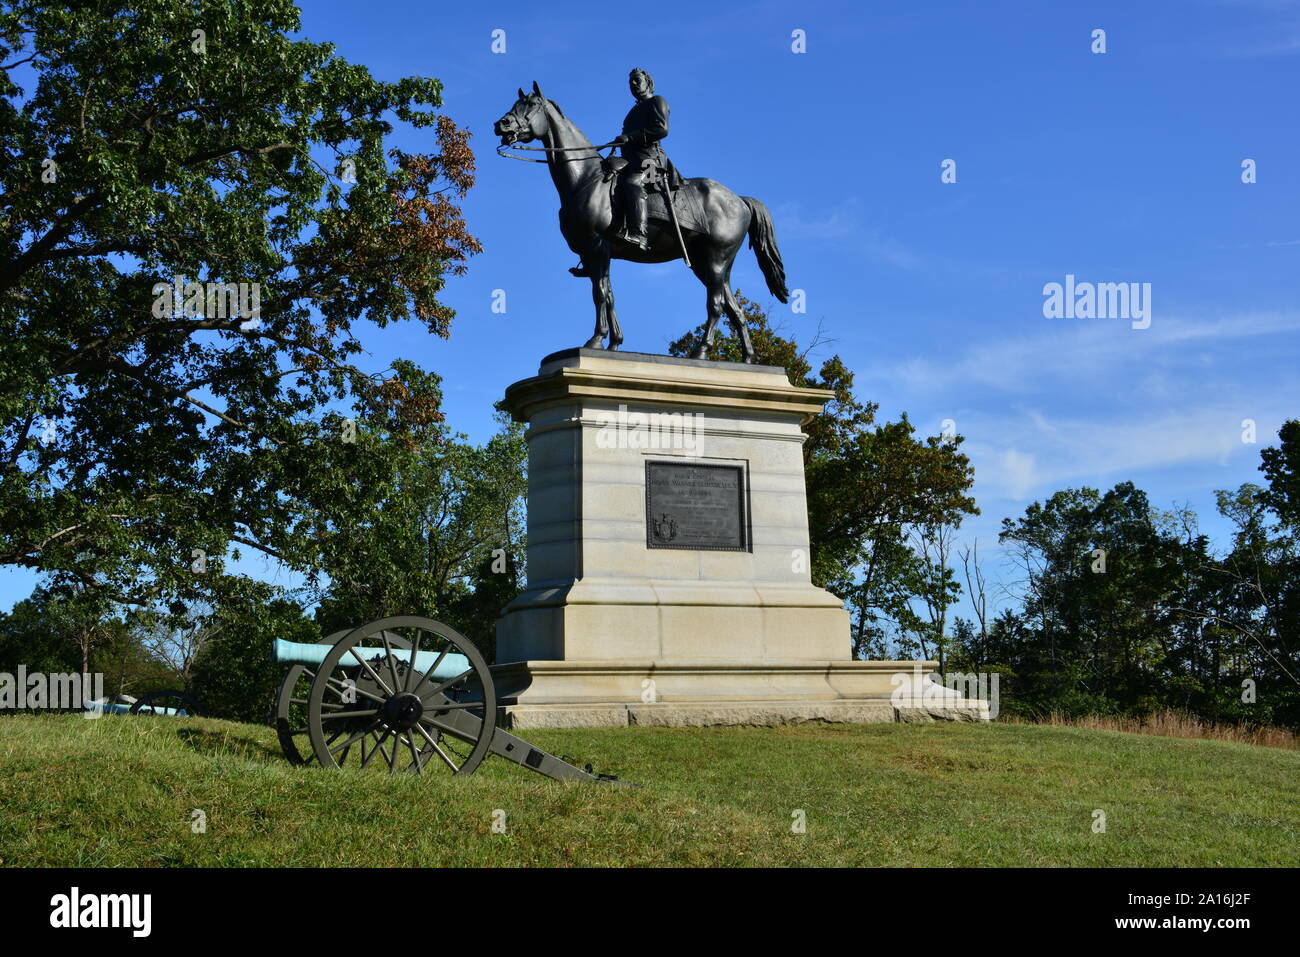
(762, 239)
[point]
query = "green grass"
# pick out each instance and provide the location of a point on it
(120, 791)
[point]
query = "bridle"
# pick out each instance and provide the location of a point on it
(526, 120)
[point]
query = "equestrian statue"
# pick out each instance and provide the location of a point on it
(638, 208)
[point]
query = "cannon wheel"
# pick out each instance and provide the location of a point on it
(285, 719)
(168, 698)
(440, 723)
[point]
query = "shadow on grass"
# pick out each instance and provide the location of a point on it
(225, 742)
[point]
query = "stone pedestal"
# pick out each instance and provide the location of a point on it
(668, 562)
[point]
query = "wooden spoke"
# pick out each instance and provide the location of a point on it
(392, 664)
(355, 738)
(324, 704)
(455, 705)
(337, 686)
(357, 656)
(441, 753)
(349, 714)
(378, 748)
(428, 674)
(415, 755)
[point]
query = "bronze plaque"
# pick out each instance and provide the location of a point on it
(695, 506)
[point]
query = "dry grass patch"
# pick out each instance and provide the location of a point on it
(1178, 724)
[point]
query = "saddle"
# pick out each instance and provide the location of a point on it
(686, 200)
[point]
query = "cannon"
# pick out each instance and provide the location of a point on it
(164, 702)
(406, 694)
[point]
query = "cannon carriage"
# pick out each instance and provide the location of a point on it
(405, 694)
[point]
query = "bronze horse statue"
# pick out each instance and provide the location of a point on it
(589, 223)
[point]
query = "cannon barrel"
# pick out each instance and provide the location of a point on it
(107, 707)
(114, 707)
(299, 653)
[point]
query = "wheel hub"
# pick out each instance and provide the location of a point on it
(402, 711)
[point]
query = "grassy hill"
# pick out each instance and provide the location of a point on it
(121, 791)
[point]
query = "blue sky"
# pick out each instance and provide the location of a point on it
(1116, 167)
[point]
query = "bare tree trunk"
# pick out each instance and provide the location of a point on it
(975, 585)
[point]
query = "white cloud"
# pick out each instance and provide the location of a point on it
(1082, 351)
(1009, 473)
(1028, 454)
(1094, 403)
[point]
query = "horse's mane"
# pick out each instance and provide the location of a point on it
(560, 112)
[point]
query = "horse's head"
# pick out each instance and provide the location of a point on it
(525, 121)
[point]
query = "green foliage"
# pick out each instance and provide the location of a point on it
(474, 610)
(31, 636)
(132, 432)
(1158, 621)
(408, 529)
(416, 531)
(146, 438)
(1281, 466)
(233, 675)
(62, 630)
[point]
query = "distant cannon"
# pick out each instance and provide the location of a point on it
(164, 702)
(408, 691)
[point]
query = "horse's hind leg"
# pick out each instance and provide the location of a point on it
(715, 272)
(715, 288)
(701, 350)
(737, 317)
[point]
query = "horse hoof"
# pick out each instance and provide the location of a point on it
(698, 353)
(614, 344)
(595, 342)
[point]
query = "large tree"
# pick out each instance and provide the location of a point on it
(147, 146)
(1099, 573)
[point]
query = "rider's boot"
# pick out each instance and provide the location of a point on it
(634, 230)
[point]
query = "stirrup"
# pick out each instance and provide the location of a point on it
(641, 242)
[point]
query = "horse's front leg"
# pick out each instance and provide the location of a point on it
(597, 340)
(595, 261)
(611, 317)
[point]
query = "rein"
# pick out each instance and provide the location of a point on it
(547, 149)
